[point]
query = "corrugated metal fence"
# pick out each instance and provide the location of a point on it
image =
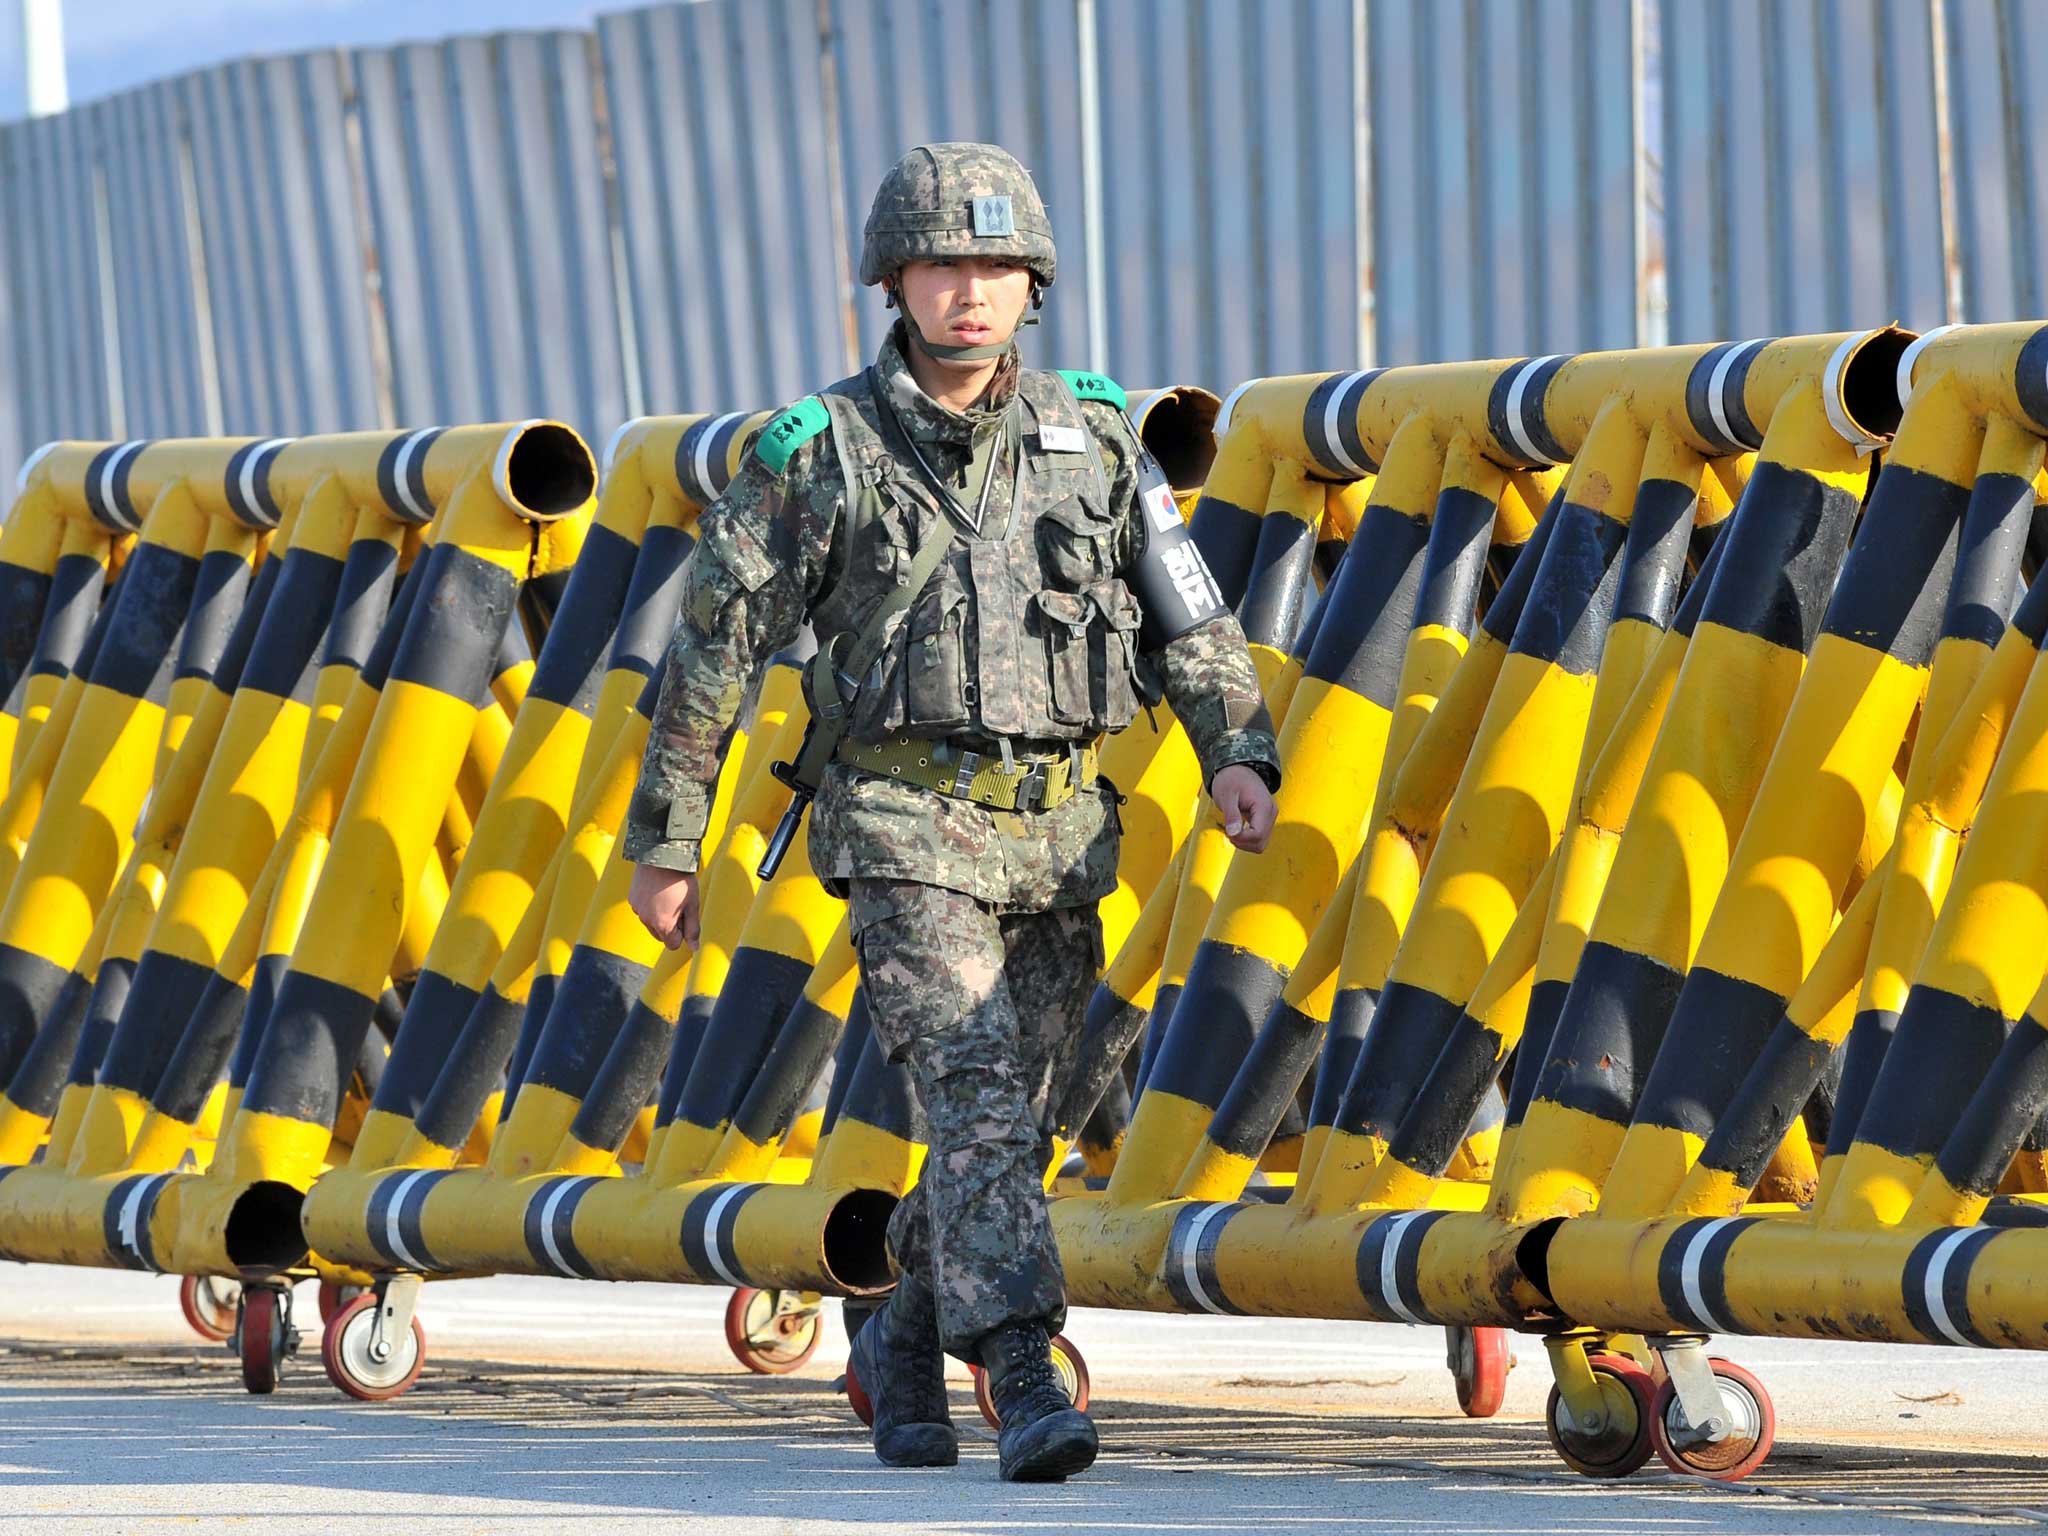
(663, 214)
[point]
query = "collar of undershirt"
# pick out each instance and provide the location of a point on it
(931, 423)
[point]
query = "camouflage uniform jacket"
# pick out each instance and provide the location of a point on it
(774, 547)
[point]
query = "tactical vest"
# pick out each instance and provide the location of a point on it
(1025, 630)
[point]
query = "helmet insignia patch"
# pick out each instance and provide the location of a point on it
(992, 219)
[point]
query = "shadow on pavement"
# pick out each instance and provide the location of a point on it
(98, 1431)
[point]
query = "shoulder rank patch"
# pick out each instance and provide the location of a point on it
(790, 431)
(1095, 386)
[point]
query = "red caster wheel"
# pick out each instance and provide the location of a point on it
(1480, 1361)
(334, 1297)
(1624, 1445)
(362, 1361)
(1736, 1455)
(857, 1398)
(209, 1303)
(264, 1336)
(1066, 1361)
(772, 1332)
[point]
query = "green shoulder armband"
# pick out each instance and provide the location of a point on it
(790, 431)
(1095, 386)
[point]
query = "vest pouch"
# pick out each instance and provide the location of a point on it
(935, 657)
(1113, 654)
(1076, 544)
(879, 710)
(883, 549)
(1064, 620)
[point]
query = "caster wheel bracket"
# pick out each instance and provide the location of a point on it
(396, 1299)
(794, 1309)
(1576, 1383)
(287, 1334)
(267, 1308)
(773, 1331)
(1702, 1415)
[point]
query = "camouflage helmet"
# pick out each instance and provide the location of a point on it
(956, 200)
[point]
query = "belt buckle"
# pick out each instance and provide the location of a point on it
(1032, 787)
(963, 775)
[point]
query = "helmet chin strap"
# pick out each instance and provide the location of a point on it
(973, 354)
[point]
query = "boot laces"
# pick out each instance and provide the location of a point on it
(920, 1377)
(1029, 1376)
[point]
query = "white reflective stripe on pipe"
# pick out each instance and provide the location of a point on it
(393, 1241)
(1333, 438)
(259, 455)
(700, 460)
(1689, 1275)
(1190, 1266)
(401, 471)
(110, 469)
(552, 1204)
(711, 1244)
(129, 1227)
(1937, 1271)
(1717, 389)
(1390, 1264)
(1516, 429)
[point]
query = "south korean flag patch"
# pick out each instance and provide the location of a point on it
(1172, 581)
(1160, 510)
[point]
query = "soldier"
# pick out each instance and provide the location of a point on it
(997, 578)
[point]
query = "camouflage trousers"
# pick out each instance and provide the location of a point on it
(984, 1007)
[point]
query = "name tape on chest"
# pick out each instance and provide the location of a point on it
(1053, 439)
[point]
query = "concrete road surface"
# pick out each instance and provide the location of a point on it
(553, 1407)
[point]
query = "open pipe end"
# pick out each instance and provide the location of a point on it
(1532, 1254)
(856, 1242)
(263, 1232)
(544, 471)
(30, 464)
(1862, 385)
(1229, 407)
(1179, 426)
(617, 441)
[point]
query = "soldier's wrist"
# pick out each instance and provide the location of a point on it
(1255, 750)
(680, 855)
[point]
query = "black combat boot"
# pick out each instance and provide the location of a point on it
(1045, 1438)
(898, 1363)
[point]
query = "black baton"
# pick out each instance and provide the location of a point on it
(785, 829)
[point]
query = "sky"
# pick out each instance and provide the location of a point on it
(111, 45)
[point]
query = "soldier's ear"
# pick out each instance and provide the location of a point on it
(889, 292)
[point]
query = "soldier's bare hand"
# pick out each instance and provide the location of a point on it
(665, 900)
(1246, 807)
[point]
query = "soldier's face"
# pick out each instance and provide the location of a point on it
(965, 301)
